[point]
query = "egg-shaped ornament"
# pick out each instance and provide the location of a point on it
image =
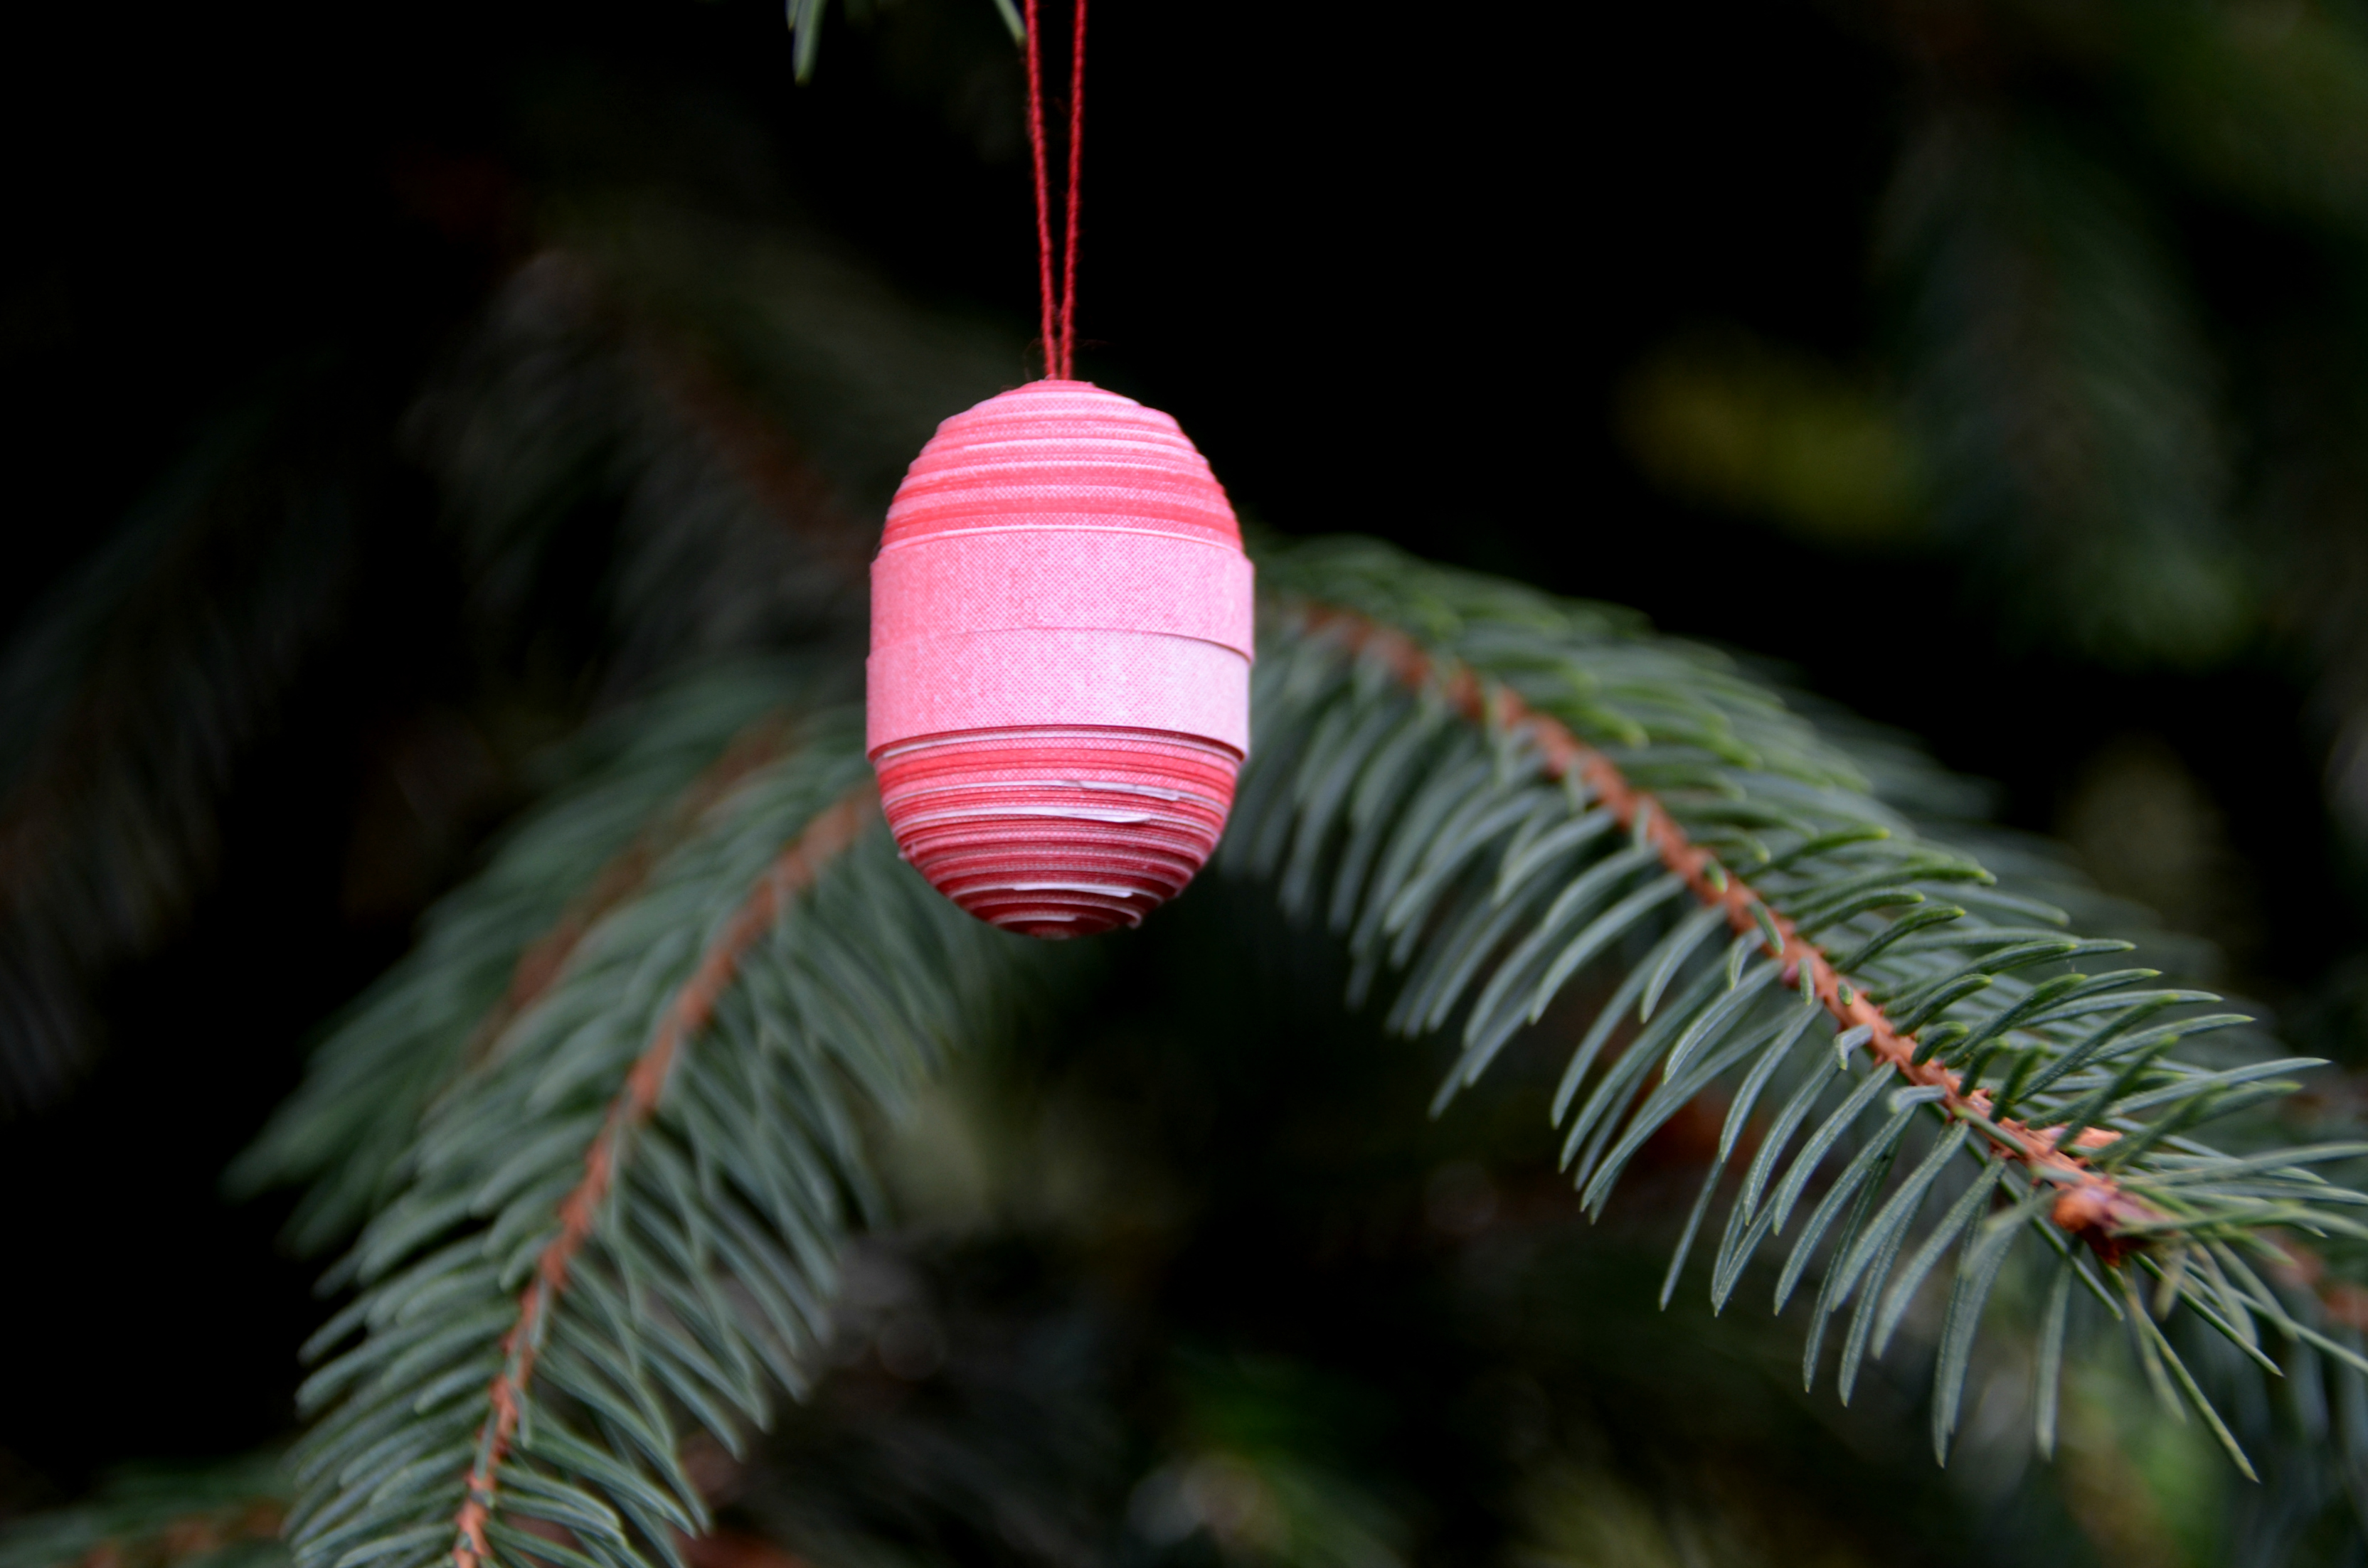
(1058, 696)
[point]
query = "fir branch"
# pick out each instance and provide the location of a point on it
(623, 1222)
(823, 840)
(1503, 792)
(2092, 1205)
(620, 797)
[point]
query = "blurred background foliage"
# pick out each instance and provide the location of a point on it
(1998, 370)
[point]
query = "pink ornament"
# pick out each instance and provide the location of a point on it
(1061, 644)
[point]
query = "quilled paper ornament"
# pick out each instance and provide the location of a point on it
(1061, 645)
(1058, 691)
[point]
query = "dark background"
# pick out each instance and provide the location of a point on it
(1388, 265)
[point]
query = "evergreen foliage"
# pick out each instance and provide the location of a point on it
(661, 1151)
(635, 789)
(1428, 829)
(584, 1168)
(1457, 852)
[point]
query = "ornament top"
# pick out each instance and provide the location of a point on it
(1057, 454)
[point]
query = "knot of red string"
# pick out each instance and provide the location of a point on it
(1060, 309)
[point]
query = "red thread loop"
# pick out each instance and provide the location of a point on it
(1060, 310)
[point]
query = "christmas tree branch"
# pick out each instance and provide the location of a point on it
(631, 792)
(694, 1004)
(624, 1222)
(1497, 794)
(2092, 1206)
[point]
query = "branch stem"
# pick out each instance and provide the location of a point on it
(794, 870)
(2090, 1205)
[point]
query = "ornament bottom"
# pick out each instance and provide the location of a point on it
(1058, 832)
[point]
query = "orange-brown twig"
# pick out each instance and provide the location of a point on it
(824, 839)
(2092, 1205)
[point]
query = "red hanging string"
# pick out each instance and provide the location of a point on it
(1060, 311)
(1076, 149)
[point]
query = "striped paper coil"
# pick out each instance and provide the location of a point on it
(1058, 694)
